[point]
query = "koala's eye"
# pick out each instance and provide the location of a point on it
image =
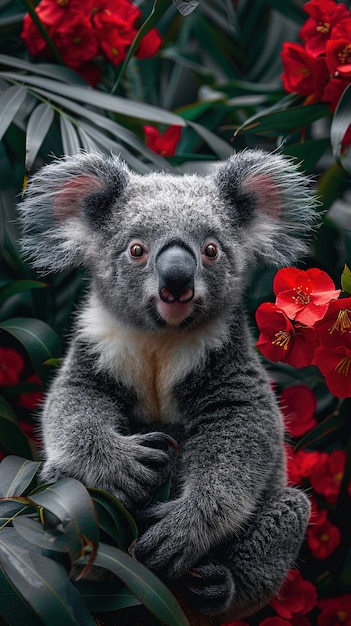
(137, 250)
(211, 250)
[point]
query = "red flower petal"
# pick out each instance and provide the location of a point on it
(298, 405)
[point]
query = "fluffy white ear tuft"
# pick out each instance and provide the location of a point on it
(67, 202)
(271, 202)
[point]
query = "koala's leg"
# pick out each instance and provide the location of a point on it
(248, 573)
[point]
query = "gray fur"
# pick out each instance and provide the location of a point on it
(140, 368)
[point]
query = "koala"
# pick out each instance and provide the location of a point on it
(162, 377)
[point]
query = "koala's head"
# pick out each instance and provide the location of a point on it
(163, 250)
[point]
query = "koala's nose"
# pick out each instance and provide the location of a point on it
(176, 271)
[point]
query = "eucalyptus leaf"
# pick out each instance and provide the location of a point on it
(151, 591)
(105, 595)
(346, 280)
(69, 500)
(16, 475)
(42, 583)
(33, 531)
(113, 518)
(13, 607)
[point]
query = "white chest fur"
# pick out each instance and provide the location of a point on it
(152, 363)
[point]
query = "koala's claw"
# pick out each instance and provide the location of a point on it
(160, 441)
(210, 588)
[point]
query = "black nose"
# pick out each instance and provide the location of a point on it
(176, 271)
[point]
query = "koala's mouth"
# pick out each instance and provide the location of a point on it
(174, 313)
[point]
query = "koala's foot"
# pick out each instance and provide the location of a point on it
(261, 559)
(210, 588)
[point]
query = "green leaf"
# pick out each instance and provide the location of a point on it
(290, 119)
(10, 507)
(346, 279)
(218, 145)
(11, 436)
(113, 518)
(10, 102)
(340, 123)
(37, 128)
(117, 104)
(105, 595)
(33, 531)
(13, 608)
(70, 141)
(16, 475)
(42, 583)
(38, 339)
(10, 288)
(69, 500)
(151, 592)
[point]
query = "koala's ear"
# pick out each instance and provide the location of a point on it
(65, 203)
(270, 202)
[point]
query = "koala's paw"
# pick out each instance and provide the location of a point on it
(145, 466)
(170, 545)
(210, 588)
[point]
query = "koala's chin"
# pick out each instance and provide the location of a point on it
(174, 314)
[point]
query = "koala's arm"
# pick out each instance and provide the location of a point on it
(86, 436)
(233, 450)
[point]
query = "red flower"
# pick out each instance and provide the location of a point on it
(165, 144)
(333, 91)
(296, 597)
(327, 474)
(298, 405)
(304, 73)
(335, 611)
(338, 57)
(335, 365)
(280, 340)
(149, 45)
(335, 326)
(323, 538)
(32, 399)
(11, 366)
(77, 41)
(324, 15)
(301, 463)
(304, 295)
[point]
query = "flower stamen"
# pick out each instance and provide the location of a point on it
(342, 323)
(282, 339)
(343, 366)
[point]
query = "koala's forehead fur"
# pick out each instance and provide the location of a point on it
(168, 207)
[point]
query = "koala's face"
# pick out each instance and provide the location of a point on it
(162, 250)
(168, 256)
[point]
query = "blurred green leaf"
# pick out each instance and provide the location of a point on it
(10, 288)
(318, 434)
(69, 500)
(10, 102)
(340, 124)
(220, 147)
(144, 584)
(11, 436)
(292, 118)
(37, 129)
(16, 475)
(346, 280)
(38, 339)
